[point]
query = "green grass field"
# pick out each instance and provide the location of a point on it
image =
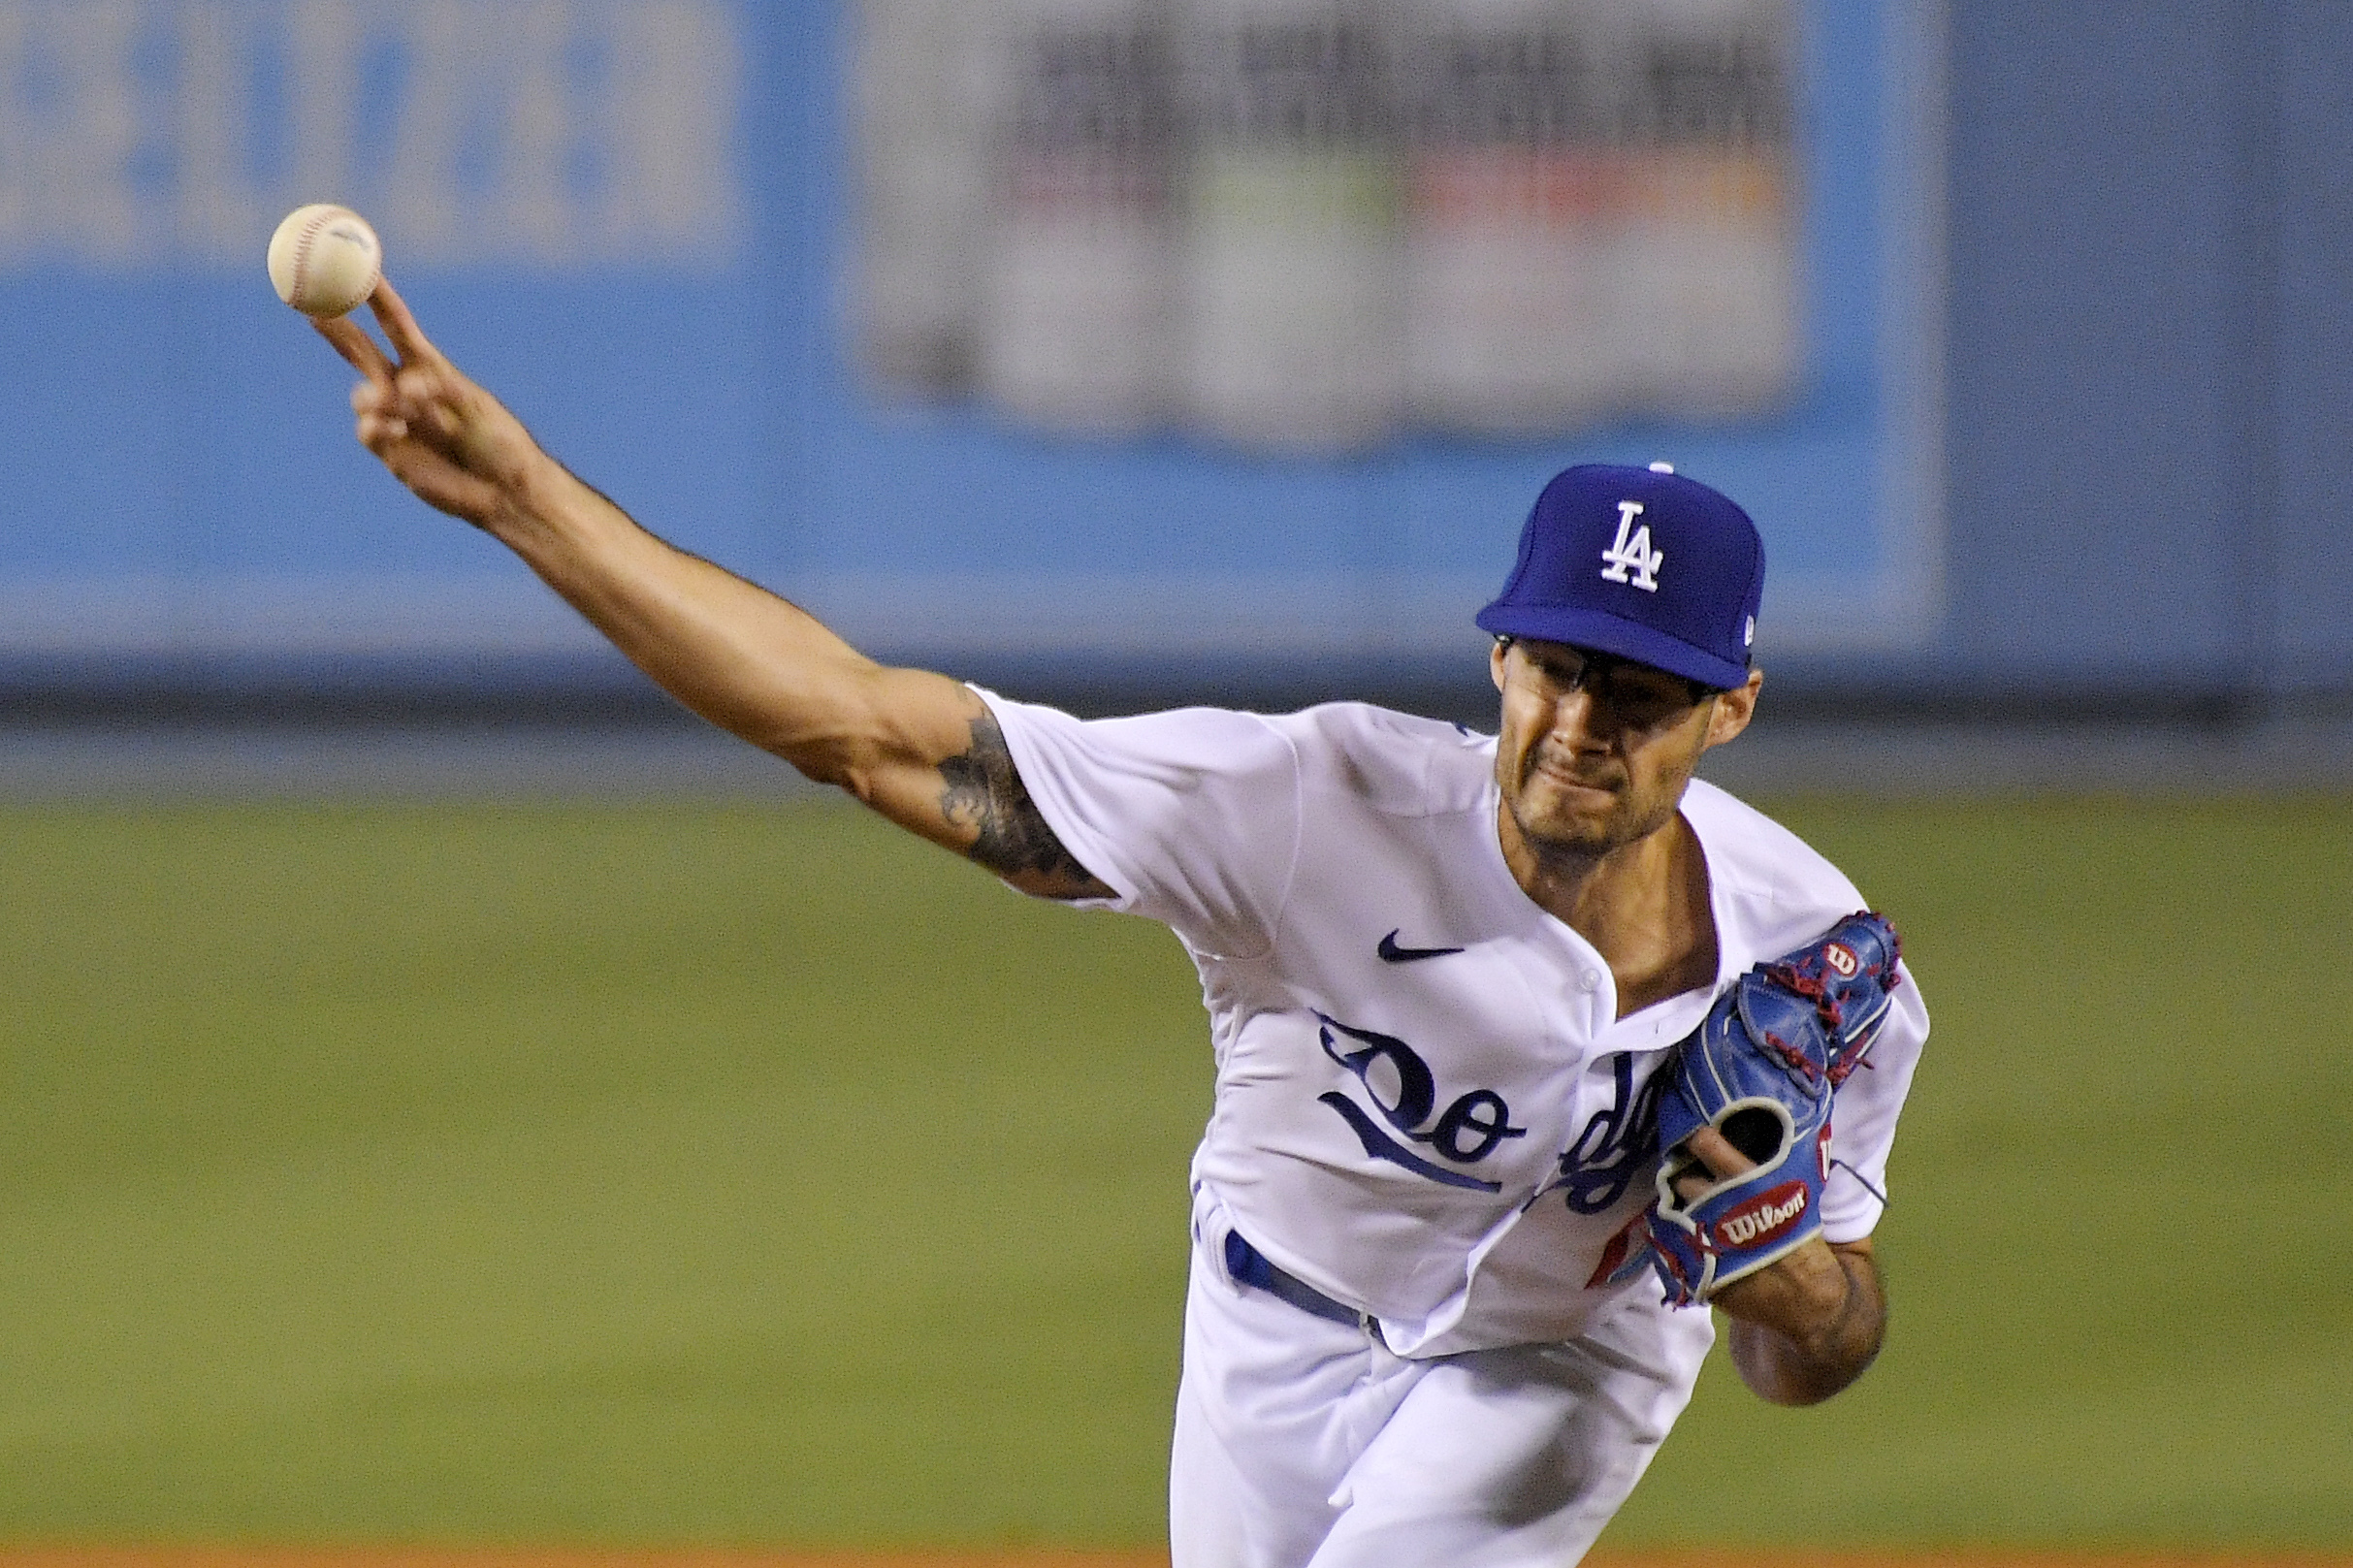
(506, 1173)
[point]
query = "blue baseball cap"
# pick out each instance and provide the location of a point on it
(1639, 563)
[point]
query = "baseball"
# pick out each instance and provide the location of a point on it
(324, 259)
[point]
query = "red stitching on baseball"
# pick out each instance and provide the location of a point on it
(301, 248)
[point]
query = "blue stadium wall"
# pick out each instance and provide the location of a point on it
(2151, 346)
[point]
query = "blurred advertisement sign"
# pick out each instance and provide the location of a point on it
(1025, 330)
(1254, 325)
(1311, 224)
(550, 134)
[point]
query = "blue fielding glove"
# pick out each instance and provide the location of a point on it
(1763, 1070)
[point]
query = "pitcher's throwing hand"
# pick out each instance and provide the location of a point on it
(440, 434)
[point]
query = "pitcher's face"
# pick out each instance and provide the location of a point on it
(1593, 751)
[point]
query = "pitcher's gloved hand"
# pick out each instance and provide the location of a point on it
(1762, 1070)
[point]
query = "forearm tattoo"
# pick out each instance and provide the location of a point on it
(985, 790)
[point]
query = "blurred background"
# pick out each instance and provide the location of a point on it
(448, 1095)
(1203, 347)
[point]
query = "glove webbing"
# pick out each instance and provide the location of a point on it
(1795, 1060)
(1807, 980)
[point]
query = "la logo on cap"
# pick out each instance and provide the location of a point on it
(1697, 626)
(1630, 559)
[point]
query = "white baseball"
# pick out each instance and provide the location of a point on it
(325, 259)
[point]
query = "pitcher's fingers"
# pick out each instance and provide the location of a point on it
(351, 340)
(379, 432)
(1715, 1151)
(447, 425)
(429, 393)
(408, 340)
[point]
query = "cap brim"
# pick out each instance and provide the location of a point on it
(1611, 634)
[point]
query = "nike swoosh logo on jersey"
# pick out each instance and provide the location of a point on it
(1391, 953)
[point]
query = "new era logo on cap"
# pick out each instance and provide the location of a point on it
(1640, 562)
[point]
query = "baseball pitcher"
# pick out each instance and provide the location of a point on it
(1530, 1047)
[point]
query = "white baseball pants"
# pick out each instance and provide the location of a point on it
(1303, 1443)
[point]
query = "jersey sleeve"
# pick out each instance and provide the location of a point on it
(1862, 1119)
(1191, 817)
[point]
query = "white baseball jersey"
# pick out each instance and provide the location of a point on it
(1427, 1106)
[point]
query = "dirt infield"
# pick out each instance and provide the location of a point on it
(454, 1558)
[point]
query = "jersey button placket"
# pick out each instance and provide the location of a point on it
(1593, 991)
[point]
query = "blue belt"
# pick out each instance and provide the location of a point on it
(1250, 1267)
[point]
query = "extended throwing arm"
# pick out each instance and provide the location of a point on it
(918, 747)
